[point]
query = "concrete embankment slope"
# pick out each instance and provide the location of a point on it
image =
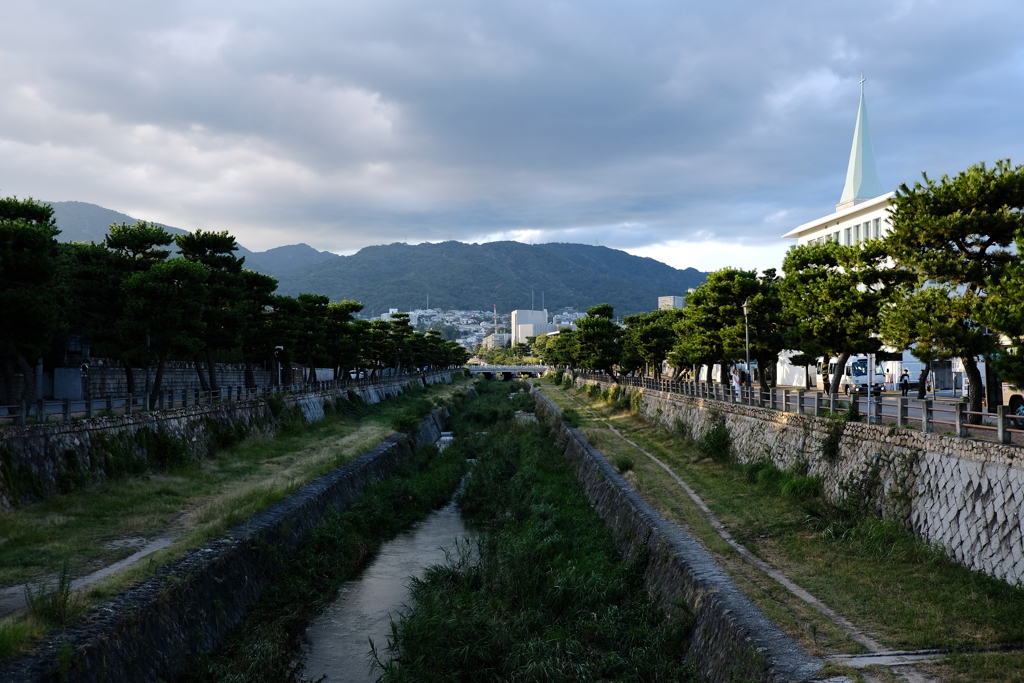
(732, 639)
(40, 460)
(153, 631)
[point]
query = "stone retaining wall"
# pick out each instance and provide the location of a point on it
(152, 632)
(39, 460)
(965, 494)
(732, 639)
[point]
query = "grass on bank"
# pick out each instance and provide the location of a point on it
(264, 648)
(880, 577)
(544, 595)
(194, 502)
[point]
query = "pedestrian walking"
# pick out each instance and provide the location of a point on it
(905, 382)
(736, 383)
(922, 383)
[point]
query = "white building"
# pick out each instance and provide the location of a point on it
(863, 209)
(529, 324)
(668, 303)
(861, 214)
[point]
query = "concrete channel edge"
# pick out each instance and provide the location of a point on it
(732, 639)
(154, 630)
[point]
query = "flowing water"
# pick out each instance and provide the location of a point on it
(338, 641)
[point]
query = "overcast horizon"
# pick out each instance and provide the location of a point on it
(696, 134)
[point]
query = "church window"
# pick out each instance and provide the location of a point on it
(847, 237)
(878, 229)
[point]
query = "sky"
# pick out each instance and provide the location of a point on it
(696, 133)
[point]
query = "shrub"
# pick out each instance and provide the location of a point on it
(276, 404)
(594, 391)
(716, 442)
(55, 607)
(623, 463)
(408, 423)
(636, 401)
(572, 416)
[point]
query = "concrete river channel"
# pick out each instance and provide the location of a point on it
(337, 643)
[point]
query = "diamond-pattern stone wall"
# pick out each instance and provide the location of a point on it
(965, 494)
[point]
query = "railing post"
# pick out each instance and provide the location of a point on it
(901, 411)
(785, 400)
(800, 401)
(67, 410)
(88, 407)
(110, 404)
(772, 402)
(23, 415)
(819, 403)
(876, 406)
(832, 403)
(926, 415)
(128, 405)
(1002, 436)
(855, 403)
(961, 428)
(41, 411)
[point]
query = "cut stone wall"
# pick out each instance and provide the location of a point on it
(40, 460)
(732, 639)
(965, 494)
(153, 631)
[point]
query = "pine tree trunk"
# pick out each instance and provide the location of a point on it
(976, 392)
(203, 384)
(158, 380)
(837, 376)
(211, 368)
(129, 378)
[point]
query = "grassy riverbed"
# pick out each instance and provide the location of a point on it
(900, 591)
(544, 595)
(191, 503)
(264, 648)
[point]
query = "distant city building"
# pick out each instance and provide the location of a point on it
(496, 340)
(529, 324)
(668, 303)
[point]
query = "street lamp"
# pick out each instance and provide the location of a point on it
(746, 328)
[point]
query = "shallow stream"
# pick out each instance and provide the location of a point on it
(338, 641)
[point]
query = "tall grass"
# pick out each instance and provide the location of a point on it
(544, 596)
(264, 648)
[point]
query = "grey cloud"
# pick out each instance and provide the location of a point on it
(346, 124)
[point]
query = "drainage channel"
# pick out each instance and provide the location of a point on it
(336, 645)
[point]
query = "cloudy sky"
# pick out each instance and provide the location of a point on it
(693, 132)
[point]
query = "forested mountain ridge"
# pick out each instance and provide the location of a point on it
(455, 275)
(476, 276)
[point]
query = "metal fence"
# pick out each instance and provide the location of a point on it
(67, 409)
(927, 415)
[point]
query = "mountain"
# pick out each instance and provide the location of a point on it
(281, 261)
(453, 274)
(477, 276)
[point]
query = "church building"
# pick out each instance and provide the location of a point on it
(863, 209)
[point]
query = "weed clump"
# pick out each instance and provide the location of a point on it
(572, 416)
(53, 606)
(623, 463)
(716, 442)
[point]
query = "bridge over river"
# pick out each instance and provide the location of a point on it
(507, 372)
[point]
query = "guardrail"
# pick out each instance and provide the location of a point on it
(43, 411)
(926, 415)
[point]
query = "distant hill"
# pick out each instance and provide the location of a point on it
(454, 275)
(476, 276)
(281, 261)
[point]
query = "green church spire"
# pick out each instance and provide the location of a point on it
(861, 176)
